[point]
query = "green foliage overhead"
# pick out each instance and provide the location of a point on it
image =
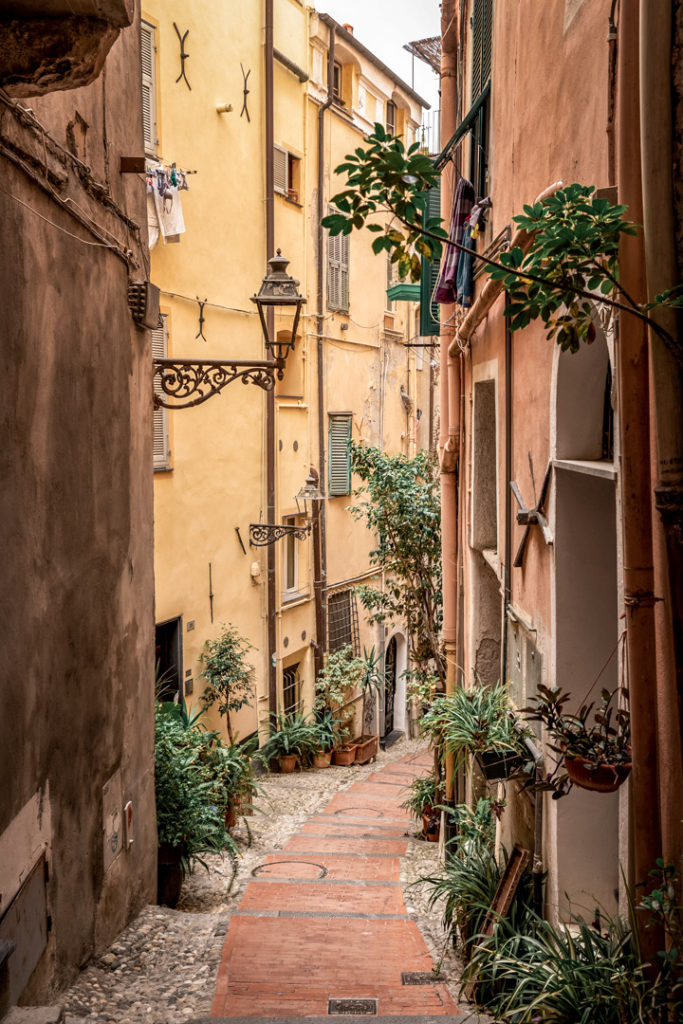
(227, 674)
(400, 503)
(569, 267)
(385, 178)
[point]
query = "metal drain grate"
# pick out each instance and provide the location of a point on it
(351, 1007)
(419, 977)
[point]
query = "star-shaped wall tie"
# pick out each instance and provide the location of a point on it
(528, 517)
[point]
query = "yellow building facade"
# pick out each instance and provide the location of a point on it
(220, 80)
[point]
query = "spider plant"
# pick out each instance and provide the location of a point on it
(423, 793)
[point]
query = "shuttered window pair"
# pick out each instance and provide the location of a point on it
(429, 310)
(339, 460)
(161, 449)
(337, 270)
(149, 98)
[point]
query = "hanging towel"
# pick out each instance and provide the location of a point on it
(152, 219)
(465, 274)
(170, 213)
(446, 286)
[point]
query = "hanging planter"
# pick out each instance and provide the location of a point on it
(600, 778)
(499, 764)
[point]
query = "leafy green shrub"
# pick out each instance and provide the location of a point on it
(343, 673)
(423, 792)
(293, 734)
(227, 674)
(191, 797)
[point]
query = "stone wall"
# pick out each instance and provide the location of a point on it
(76, 732)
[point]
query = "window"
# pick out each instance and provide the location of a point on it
(159, 351)
(337, 271)
(149, 100)
(337, 82)
(429, 310)
(342, 621)
(286, 173)
(339, 433)
(291, 689)
(391, 117)
(482, 23)
(290, 572)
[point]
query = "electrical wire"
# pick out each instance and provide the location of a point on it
(213, 305)
(102, 245)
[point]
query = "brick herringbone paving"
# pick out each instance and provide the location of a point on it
(324, 918)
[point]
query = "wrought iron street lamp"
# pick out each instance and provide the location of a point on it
(310, 492)
(279, 289)
(263, 534)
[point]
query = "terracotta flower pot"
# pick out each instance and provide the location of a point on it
(287, 763)
(604, 778)
(366, 748)
(322, 759)
(230, 815)
(431, 828)
(344, 756)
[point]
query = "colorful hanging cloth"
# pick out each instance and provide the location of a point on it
(446, 290)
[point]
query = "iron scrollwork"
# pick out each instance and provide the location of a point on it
(190, 382)
(262, 534)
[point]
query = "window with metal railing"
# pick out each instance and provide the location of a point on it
(342, 621)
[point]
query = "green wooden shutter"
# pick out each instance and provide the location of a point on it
(339, 460)
(429, 310)
(161, 451)
(482, 24)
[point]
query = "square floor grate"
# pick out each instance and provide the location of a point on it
(351, 1007)
(419, 977)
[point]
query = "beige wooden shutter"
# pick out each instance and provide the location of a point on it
(339, 455)
(337, 270)
(161, 451)
(149, 114)
(280, 183)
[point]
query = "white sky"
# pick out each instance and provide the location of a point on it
(384, 26)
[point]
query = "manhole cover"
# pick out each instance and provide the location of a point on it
(280, 869)
(352, 1006)
(368, 812)
(419, 977)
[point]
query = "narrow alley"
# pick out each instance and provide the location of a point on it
(323, 908)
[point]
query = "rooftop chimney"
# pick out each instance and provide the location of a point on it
(349, 28)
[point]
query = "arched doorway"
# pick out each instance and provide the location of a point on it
(390, 666)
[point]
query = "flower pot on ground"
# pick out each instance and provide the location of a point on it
(431, 826)
(366, 748)
(344, 756)
(594, 744)
(288, 763)
(293, 736)
(322, 759)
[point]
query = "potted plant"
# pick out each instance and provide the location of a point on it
(233, 766)
(293, 738)
(190, 799)
(342, 674)
(227, 674)
(371, 682)
(478, 721)
(325, 727)
(422, 800)
(594, 744)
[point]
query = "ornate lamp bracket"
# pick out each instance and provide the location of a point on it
(182, 383)
(263, 534)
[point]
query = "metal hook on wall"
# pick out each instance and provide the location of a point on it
(202, 318)
(183, 55)
(245, 92)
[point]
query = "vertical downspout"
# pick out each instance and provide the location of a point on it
(321, 581)
(507, 573)
(449, 392)
(656, 135)
(270, 395)
(636, 483)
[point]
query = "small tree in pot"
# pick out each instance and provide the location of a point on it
(371, 685)
(343, 673)
(227, 674)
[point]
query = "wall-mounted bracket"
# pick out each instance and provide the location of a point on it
(190, 382)
(263, 534)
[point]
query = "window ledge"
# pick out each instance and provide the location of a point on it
(291, 600)
(591, 467)
(163, 469)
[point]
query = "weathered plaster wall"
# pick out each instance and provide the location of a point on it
(76, 515)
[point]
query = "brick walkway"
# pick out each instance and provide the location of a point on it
(325, 919)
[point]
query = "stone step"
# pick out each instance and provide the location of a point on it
(389, 740)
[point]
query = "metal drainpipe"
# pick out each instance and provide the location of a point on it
(270, 395)
(321, 583)
(507, 576)
(537, 866)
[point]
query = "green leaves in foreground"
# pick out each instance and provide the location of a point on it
(386, 178)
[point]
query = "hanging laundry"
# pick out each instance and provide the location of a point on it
(164, 207)
(153, 229)
(170, 213)
(446, 286)
(464, 278)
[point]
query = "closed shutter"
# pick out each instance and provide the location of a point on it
(482, 23)
(149, 113)
(280, 183)
(429, 310)
(339, 455)
(337, 270)
(161, 452)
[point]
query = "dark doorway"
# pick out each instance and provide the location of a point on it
(168, 659)
(389, 686)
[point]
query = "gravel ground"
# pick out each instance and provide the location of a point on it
(162, 967)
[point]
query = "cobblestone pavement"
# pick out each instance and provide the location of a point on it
(162, 969)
